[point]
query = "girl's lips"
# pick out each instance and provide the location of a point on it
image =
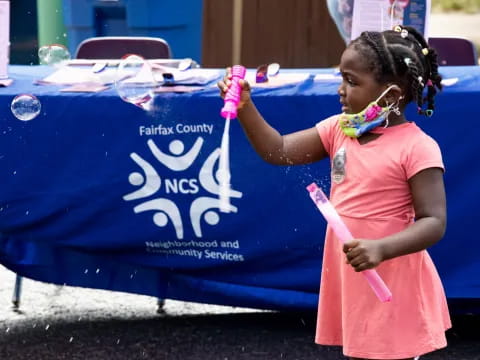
(344, 108)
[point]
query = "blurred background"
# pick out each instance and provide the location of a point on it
(215, 33)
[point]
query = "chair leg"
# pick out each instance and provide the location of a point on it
(17, 292)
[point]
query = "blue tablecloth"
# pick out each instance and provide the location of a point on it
(96, 192)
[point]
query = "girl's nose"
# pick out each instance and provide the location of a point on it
(341, 90)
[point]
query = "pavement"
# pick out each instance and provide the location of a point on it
(64, 322)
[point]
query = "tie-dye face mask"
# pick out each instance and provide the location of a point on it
(354, 125)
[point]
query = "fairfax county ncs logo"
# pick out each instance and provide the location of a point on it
(150, 184)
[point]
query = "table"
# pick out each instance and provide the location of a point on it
(97, 193)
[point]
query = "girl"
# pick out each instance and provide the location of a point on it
(387, 185)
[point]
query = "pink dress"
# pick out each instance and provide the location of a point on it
(371, 193)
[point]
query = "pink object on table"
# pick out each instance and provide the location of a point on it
(232, 98)
(342, 232)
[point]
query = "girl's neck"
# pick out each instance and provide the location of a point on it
(394, 119)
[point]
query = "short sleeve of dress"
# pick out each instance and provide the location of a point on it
(423, 154)
(327, 130)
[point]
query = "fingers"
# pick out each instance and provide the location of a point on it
(244, 84)
(361, 255)
(360, 263)
(225, 83)
(354, 256)
(350, 245)
(362, 267)
(358, 260)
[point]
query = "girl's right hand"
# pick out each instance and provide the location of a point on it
(225, 84)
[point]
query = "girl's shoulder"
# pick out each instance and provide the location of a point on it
(406, 133)
(419, 150)
(329, 132)
(416, 135)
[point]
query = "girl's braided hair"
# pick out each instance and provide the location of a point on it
(403, 56)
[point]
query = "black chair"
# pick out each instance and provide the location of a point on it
(454, 51)
(115, 47)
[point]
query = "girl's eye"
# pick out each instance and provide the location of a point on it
(348, 80)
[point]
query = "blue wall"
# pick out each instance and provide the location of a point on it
(178, 22)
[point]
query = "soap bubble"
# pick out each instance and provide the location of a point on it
(53, 54)
(135, 82)
(25, 107)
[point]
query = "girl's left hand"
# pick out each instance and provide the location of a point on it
(363, 254)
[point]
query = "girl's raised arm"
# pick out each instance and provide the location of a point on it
(301, 147)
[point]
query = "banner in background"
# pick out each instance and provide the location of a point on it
(354, 16)
(379, 15)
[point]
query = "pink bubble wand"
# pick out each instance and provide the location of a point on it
(342, 232)
(229, 112)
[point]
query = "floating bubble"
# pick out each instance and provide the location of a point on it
(25, 107)
(53, 54)
(135, 82)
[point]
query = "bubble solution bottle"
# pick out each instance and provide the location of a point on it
(229, 112)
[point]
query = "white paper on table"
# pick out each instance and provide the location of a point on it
(278, 80)
(187, 77)
(115, 62)
(70, 75)
(82, 71)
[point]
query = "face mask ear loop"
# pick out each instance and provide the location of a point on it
(383, 94)
(388, 114)
(391, 107)
(395, 107)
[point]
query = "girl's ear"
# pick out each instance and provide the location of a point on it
(395, 94)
